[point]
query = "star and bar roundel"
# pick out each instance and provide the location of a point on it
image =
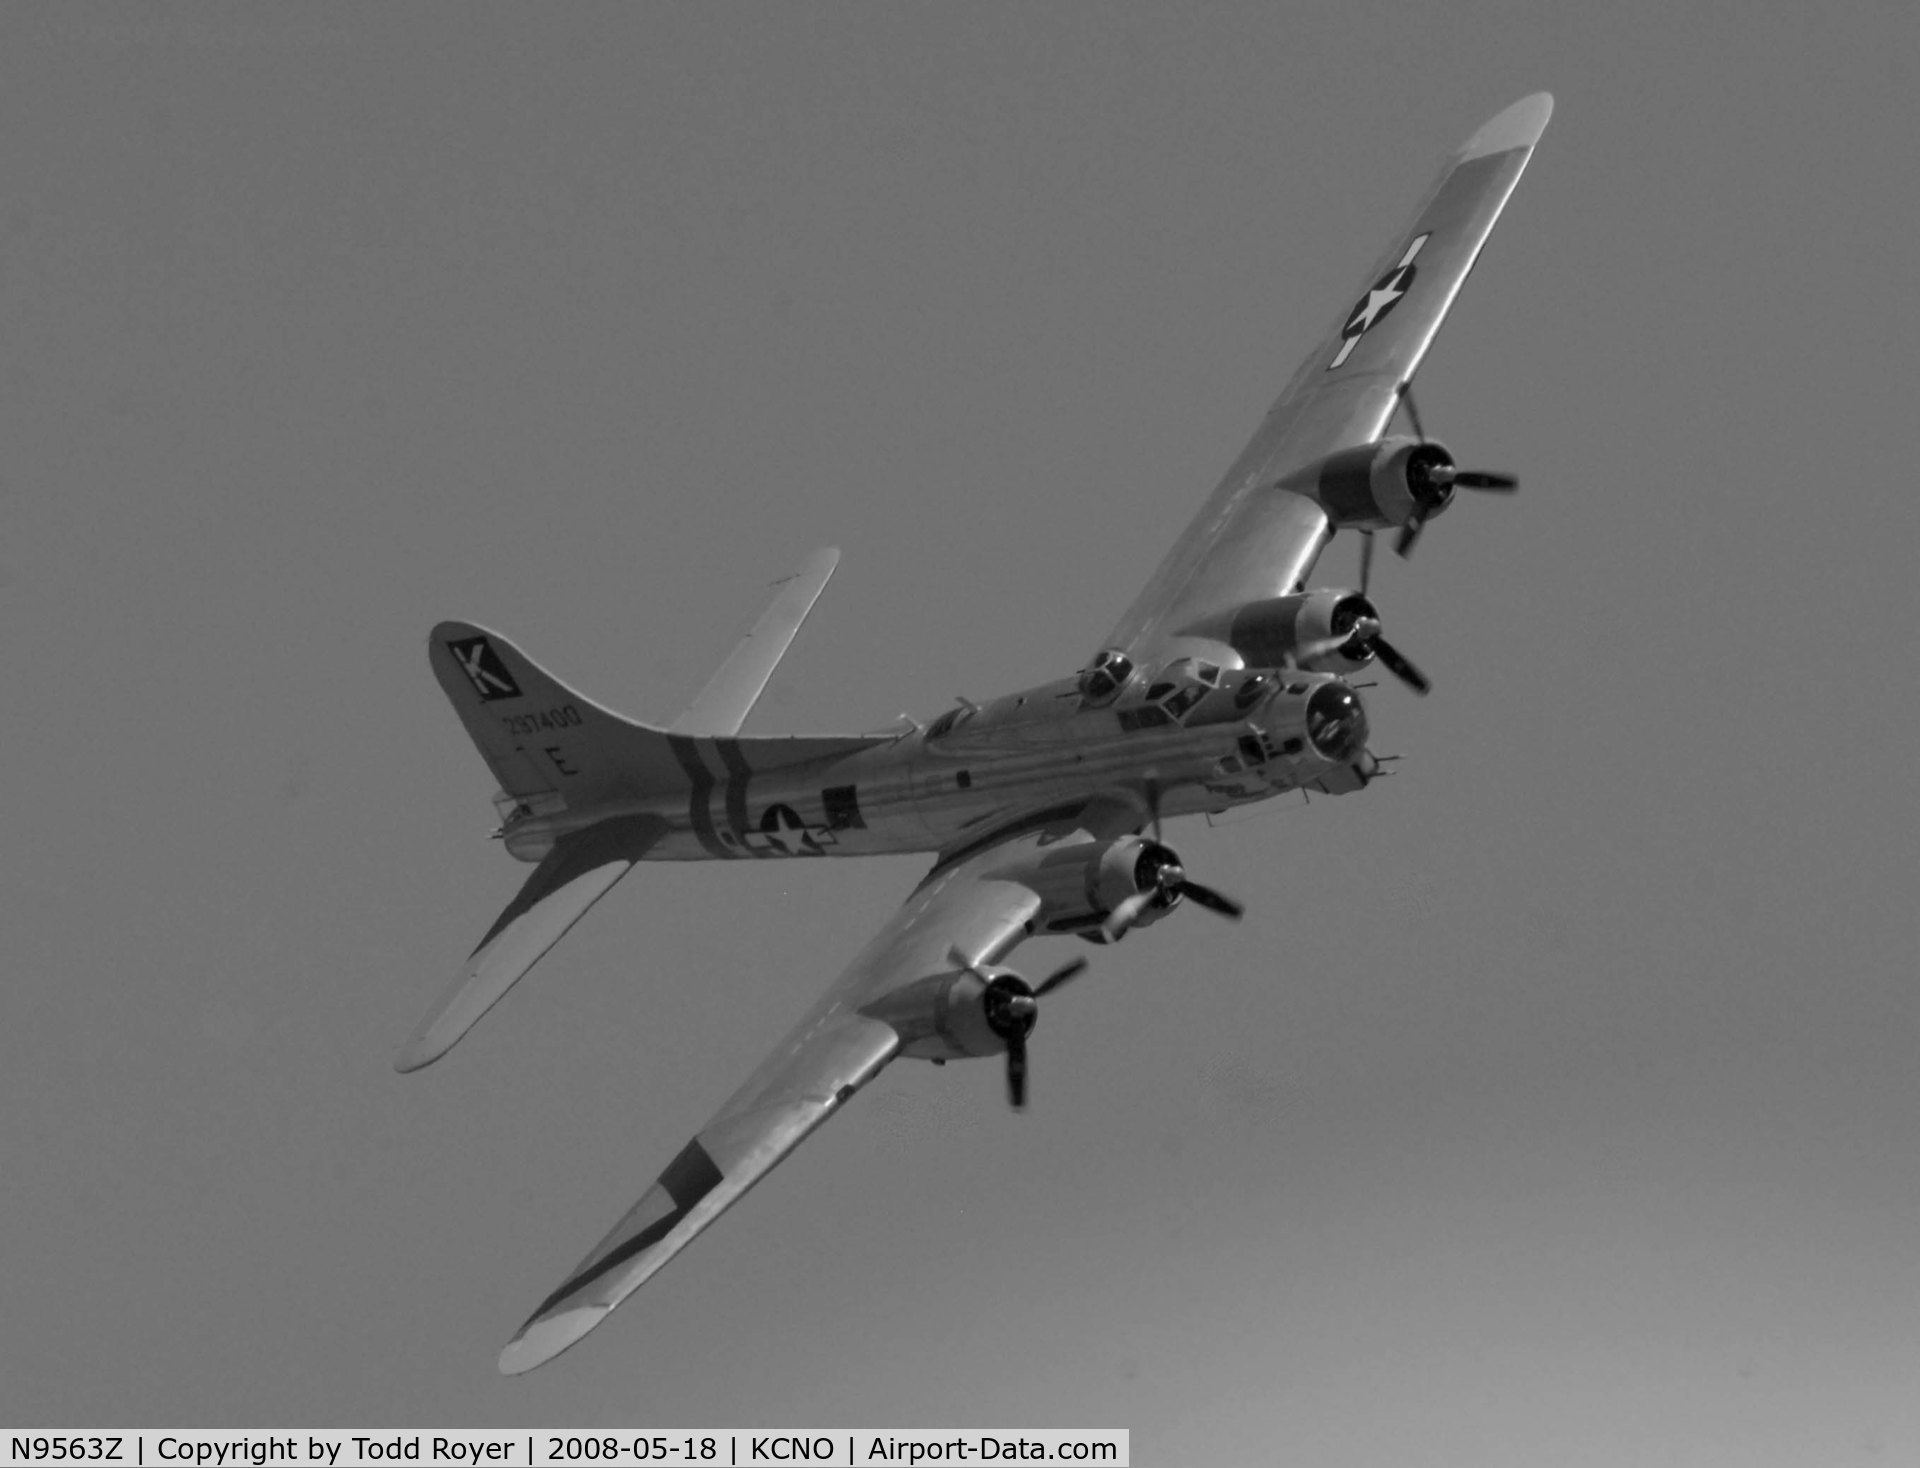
(1372, 308)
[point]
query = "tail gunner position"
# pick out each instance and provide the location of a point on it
(1222, 684)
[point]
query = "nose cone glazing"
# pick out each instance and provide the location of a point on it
(1336, 722)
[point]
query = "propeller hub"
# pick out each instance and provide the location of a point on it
(1430, 477)
(1160, 872)
(1011, 1008)
(1356, 623)
(1351, 612)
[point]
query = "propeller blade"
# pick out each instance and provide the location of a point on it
(1211, 900)
(1065, 973)
(1487, 480)
(1328, 645)
(1397, 663)
(1017, 1071)
(1409, 533)
(1366, 559)
(1125, 912)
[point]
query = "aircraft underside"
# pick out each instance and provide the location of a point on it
(1223, 684)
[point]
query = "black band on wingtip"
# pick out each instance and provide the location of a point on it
(687, 1179)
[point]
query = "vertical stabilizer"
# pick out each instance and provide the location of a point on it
(540, 738)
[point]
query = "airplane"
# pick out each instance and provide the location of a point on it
(1226, 682)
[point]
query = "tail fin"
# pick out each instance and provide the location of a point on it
(538, 736)
(543, 740)
(553, 749)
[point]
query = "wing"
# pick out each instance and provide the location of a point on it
(973, 902)
(723, 705)
(578, 872)
(1253, 541)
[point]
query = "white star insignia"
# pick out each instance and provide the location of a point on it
(1377, 302)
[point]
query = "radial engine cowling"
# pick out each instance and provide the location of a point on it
(1393, 481)
(1081, 885)
(1321, 631)
(955, 1015)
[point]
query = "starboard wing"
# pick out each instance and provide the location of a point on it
(975, 904)
(1253, 540)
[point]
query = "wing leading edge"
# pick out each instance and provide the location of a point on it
(976, 905)
(1255, 540)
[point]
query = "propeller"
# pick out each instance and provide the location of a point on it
(1012, 1008)
(1363, 638)
(1435, 477)
(1162, 879)
(1400, 665)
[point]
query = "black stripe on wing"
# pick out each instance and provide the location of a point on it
(688, 1179)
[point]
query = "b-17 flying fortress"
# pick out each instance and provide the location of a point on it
(1223, 684)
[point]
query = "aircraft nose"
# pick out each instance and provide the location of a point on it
(1336, 722)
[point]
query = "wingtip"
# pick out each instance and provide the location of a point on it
(416, 1055)
(1519, 126)
(425, 1045)
(546, 1336)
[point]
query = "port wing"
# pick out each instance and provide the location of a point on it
(1254, 540)
(975, 905)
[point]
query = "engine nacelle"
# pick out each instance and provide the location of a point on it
(950, 1016)
(1320, 631)
(949, 1021)
(1374, 485)
(1081, 885)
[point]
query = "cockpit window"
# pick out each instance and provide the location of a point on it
(1185, 699)
(1147, 716)
(944, 724)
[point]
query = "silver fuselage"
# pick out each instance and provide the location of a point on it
(1028, 757)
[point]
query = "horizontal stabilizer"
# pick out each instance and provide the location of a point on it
(723, 705)
(581, 869)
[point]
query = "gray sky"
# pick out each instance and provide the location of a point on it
(1556, 1101)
